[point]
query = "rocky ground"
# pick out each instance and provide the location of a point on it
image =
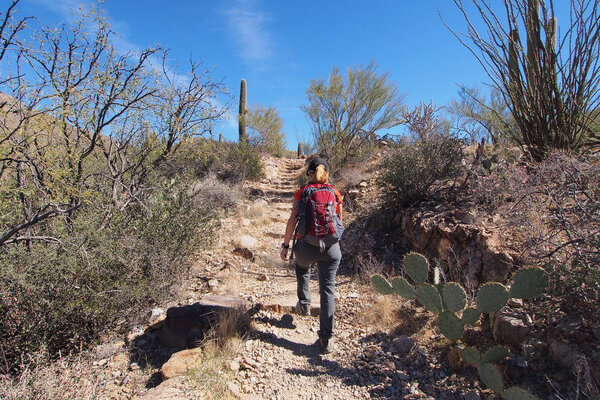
(384, 349)
(278, 359)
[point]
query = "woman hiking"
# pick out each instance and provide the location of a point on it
(318, 209)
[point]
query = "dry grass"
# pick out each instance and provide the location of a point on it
(391, 314)
(230, 283)
(210, 379)
(213, 373)
(258, 209)
(382, 315)
(64, 379)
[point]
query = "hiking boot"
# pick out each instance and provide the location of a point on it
(302, 309)
(325, 345)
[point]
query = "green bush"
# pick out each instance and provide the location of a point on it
(230, 162)
(413, 168)
(240, 162)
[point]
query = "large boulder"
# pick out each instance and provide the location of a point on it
(181, 362)
(509, 327)
(185, 326)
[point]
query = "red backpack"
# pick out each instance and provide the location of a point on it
(318, 222)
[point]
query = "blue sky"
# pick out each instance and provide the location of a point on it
(279, 45)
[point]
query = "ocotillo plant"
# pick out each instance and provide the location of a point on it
(243, 112)
(449, 302)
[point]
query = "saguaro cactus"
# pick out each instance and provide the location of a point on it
(541, 57)
(243, 112)
(513, 61)
(534, 41)
(299, 149)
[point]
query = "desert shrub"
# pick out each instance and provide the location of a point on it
(214, 191)
(498, 178)
(553, 207)
(352, 176)
(412, 169)
(266, 134)
(61, 297)
(348, 111)
(559, 206)
(302, 178)
(195, 158)
(240, 161)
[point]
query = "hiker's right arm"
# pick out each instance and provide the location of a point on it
(291, 223)
(289, 229)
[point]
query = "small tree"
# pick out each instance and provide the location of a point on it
(482, 118)
(549, 81)
(267, 125)
(422, 120)
(347, 112)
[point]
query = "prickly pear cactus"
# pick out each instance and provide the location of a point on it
(495, 355)
(381, 284)
(454, 296)
(417, 267)
(450, 325)
(471, 315)
(471, 355)
(516, 393)
(446, 300)
(429, 296)
(491, 297)
(403, 288)
(491, 377)
(529, 283)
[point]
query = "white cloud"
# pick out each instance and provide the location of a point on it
(248, 29)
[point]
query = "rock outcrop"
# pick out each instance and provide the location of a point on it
(462, 246)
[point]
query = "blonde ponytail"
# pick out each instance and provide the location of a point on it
(320, 175)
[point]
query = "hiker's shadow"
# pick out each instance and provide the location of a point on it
(356, 370)
(298, 349)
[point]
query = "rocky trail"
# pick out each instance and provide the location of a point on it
(278, 359)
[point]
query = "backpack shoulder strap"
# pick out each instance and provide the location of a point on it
(307, 191)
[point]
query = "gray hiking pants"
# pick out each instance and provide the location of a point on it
(328, 263)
